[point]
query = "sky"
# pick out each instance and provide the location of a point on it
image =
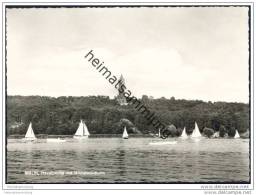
(186, 52)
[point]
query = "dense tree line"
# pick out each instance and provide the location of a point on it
(103, 115)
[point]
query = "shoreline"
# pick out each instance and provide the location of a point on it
(112, 136)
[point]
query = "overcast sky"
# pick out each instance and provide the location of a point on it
(188, 53)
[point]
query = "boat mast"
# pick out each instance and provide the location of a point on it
(83, 128)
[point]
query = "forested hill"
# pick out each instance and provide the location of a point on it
(103, 115)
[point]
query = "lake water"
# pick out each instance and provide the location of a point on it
(114, 160)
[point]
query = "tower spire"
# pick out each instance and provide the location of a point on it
(120, 97)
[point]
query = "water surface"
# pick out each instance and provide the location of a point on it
(110, 160)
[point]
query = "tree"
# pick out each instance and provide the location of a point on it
(208, 132)
(170, 131)
(222, 131)
(232, 132)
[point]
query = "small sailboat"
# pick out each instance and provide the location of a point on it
(184, 134)
(30, 136)
(82, 131)
(157, 134)
(216, 134)
(237, 135)
(196, 133)
(125, 134)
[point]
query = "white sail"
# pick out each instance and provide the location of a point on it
(216, 134)
(30, 132)
(159, 133)
(237, 134)
(125, 134)
(80, 129)
(184, 134)
(196, 132)
(85, 130)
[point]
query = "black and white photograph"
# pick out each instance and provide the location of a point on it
(127, 94)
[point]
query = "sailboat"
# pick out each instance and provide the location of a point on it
(159, 133)
(82, 131)
(237, 134)
(30, 136)
(184, 134)
(216, 134)
(125, 134)
(196, 133)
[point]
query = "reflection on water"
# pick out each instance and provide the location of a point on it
(132, 160)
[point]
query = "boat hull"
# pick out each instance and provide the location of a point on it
(29, 139)
(53, 140)
(80, 137)
(163, 143)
